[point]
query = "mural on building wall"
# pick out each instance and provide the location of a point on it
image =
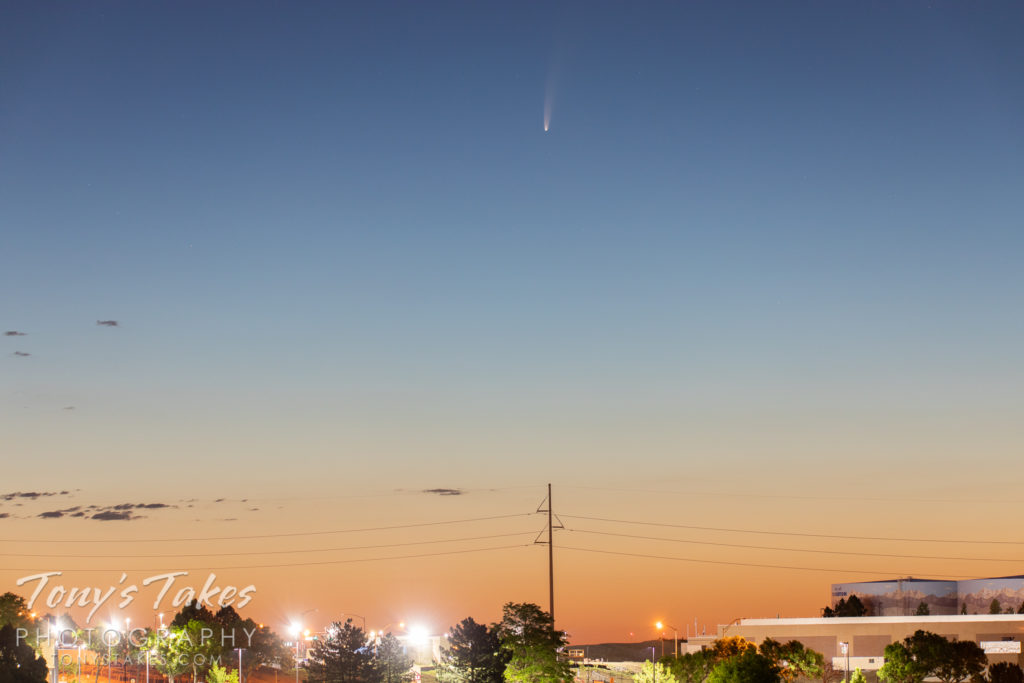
(900, 596)
(977, 594)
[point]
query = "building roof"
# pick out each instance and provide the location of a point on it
(935, 619)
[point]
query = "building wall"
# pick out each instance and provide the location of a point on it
(901, 597)
(868, 636)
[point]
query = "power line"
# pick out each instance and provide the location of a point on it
(273, 552)
(791, 533)
(797, 550)
(746, 564)
(783, 496)
(295, 564)
(284, 535)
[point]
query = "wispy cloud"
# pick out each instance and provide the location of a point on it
(107, 323)
(14, 333)
(444, 492)
(32, 495)
(22, 354)
(114, 516)
(122, 512)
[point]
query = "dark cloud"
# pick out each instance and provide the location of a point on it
(4, 515)
(107, 323)
(444, 492)
(139, 506)
(114, 516)
(102, 513)
(22, 354)
(13, 333)
(31, 494)
(69, 407)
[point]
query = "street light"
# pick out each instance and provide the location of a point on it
(844, 648)
(295, 630)
(674, 631)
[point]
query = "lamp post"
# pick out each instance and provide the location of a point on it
(675, 632)
(296, 631)
(654, 667)
(128, 637)
(844, 648)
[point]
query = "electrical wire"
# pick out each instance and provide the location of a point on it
(273, 552)
(796, 550)
(747, 564)
(790, 533)
(282, 535)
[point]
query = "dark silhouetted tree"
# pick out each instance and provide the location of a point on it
(922, 609)
(792, 659)
(532, 645)
(19, 662)
(748, 667)
(342, 656)
(1005, 672)
(391, 663)
(473, 655)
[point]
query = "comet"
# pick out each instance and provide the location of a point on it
(549, 99)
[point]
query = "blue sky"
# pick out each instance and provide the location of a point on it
(795, 213)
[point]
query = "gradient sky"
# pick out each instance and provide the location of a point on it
(766, 254)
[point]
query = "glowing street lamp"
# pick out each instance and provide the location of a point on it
(674, 631)
(295, 630)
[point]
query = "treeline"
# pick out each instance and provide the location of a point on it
(918, 657)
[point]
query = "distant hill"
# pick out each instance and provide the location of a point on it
(627, 652)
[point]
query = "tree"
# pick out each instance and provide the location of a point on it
(260, 646)
(474, 655)
(1005, 672)
(733, 646)
(169, 658)
(532, 645)
(962, 660)
(218, 674)
(829, 673)
(193, 644)
(927, 654)
(391, 662)
(343, 656)
(694, 667)
(748, 667)
(994, 607)
(923, 610)
(14, 612)
(651, 672)
(193, 611)
(792, 659)
(19, 662)
(900, 666)
(858, 676)
(846, 608)
(963, 607)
